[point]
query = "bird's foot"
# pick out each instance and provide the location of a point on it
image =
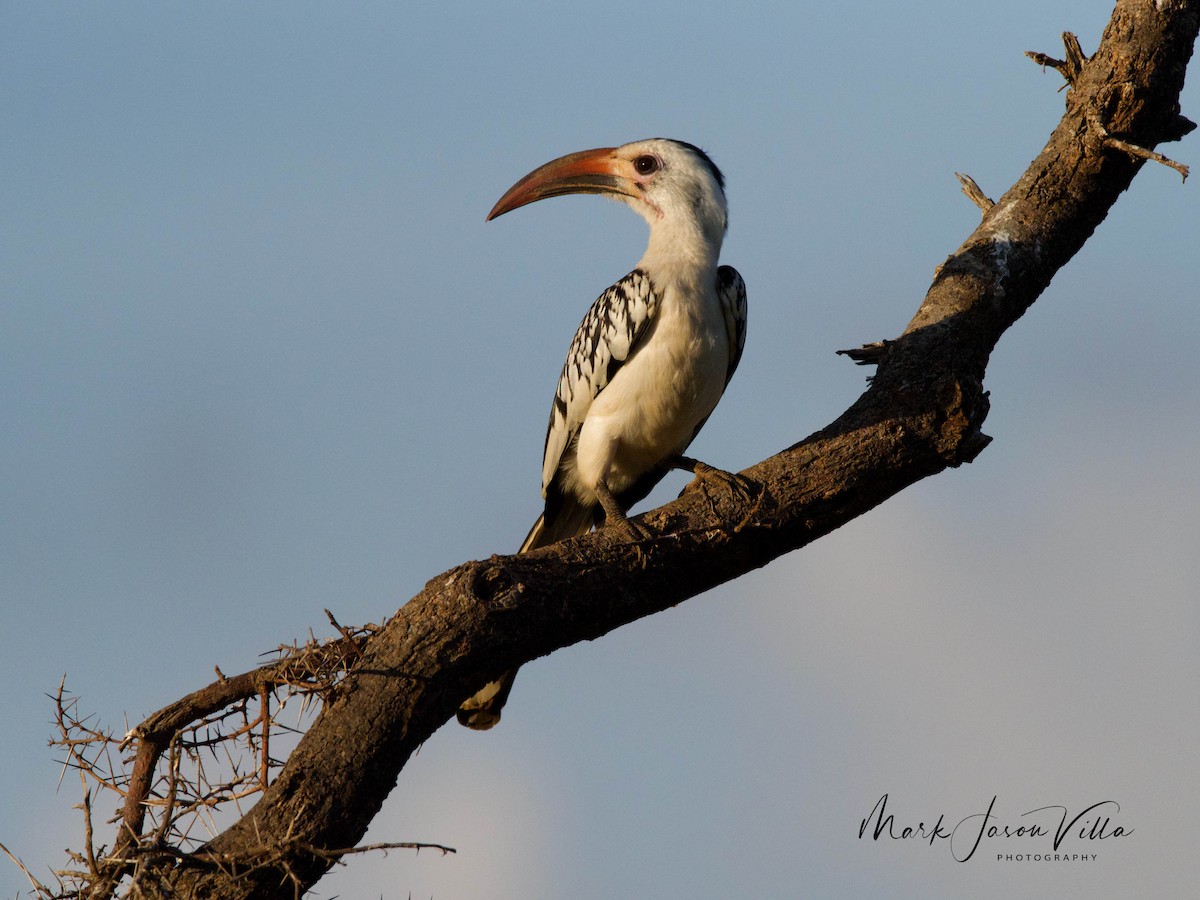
(739, 484)
(632, 531)
(614, 516)
(746, 490)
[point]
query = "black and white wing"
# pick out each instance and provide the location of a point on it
(731, 291)
(607, 336)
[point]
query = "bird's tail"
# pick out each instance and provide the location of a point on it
(482, 711)
(570, 519)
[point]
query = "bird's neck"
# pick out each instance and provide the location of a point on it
(683, 255)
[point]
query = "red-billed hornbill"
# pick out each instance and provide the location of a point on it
(650, 359)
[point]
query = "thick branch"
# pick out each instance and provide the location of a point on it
(922, 414)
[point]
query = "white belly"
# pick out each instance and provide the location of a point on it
(651, 408)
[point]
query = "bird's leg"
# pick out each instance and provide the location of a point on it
(614, 516)
(740, 485)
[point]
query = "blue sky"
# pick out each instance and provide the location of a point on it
(260, 355)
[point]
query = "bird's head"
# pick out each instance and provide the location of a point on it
(673, 185)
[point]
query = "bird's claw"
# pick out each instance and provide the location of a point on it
(630, 529)
(747, 490)
(737, 483)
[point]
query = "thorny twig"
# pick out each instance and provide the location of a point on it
(169, 780)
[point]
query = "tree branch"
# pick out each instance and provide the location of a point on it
(922, 413)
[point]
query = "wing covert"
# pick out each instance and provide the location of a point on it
(606, 337)
(731, 290)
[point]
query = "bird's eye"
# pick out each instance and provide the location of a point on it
(647, 165)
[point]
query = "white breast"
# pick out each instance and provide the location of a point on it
(651, 408)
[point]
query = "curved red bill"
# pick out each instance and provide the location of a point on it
(586, 172)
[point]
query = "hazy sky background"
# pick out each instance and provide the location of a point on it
(261, 355)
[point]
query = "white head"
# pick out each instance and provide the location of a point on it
(673, 185)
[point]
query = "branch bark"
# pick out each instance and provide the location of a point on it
(921, 414)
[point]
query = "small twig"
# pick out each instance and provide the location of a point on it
(336, 855)
(354, 648)
(1070, 67)
(265, 700)
(263, 855)
(1045, 61)
(868, 354)
(168, 815)
(1142, 153)
(87, 827)
(974, 192)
